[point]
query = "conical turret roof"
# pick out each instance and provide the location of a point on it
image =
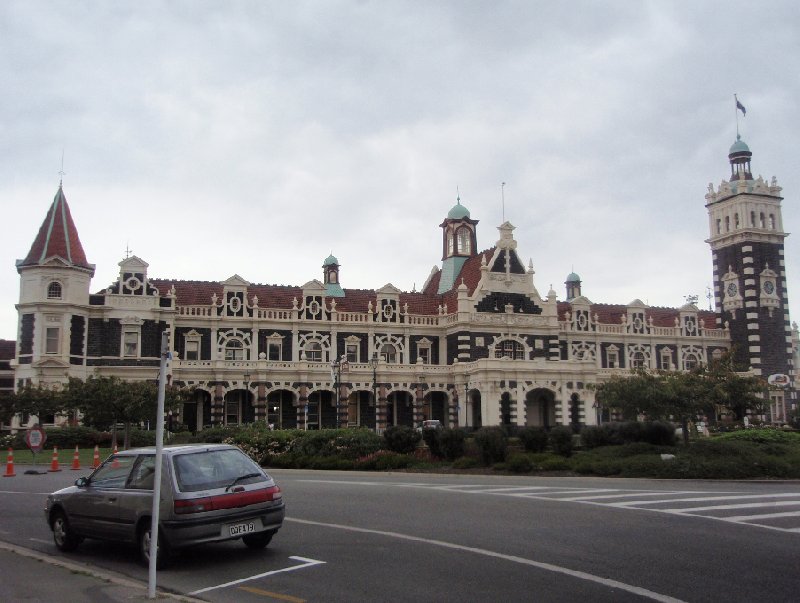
(57, 238)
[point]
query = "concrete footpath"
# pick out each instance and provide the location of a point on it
(34, 577)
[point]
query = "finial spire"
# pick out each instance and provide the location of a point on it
(61, 171)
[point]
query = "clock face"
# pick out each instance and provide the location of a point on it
(769, 287)
(732, 290)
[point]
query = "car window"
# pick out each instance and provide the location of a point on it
(113, 473)
(209, 469)
(143, 473)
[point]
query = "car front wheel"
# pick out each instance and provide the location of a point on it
(63, 536)
(162, 550)
(257, 541)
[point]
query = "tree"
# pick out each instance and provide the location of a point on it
(39, 400)
(106, 401)
(734, 391)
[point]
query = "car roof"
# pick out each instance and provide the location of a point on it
(177, 449)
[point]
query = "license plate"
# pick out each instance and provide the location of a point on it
(238, 529)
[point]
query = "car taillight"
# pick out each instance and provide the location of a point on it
(193, 505)
(233, 500)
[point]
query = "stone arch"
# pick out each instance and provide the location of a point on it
(237, 407)
(400, 408)
(196, 413)
(282, 408)
(540, 408)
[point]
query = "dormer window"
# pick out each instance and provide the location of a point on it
(54, 290)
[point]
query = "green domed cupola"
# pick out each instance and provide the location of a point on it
(458, 211)
(330, 273)
(739, 156)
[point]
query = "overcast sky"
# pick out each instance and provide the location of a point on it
(214, 138)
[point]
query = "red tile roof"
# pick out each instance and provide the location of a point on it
(57, 237)
(662, 317)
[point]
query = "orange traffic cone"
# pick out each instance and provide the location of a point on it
(115, 462)
(96, 461)
(54, 462)
(76, 461)
(10, 464)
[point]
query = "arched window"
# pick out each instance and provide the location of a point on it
(313, 350)
(54, 290)
(234, 350)
(772, 221)
(464, 241)
(510, 348)
(690, 361)
(736, 220)
(638, 360)
(389, 353)
(753, 219)
(727, 223)
(761, 220)
(449, 243)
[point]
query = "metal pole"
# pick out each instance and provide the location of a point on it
(162, 379)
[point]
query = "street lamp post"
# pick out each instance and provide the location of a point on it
(336, 372)
(466, 402)
(373, 362)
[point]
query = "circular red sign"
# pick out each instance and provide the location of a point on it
(35, 438)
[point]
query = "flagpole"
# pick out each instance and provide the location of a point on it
(736, 111)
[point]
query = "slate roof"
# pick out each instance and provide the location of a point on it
(57, 237)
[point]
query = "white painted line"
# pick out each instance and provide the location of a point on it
(40, 540)
(642, 592)
(706, 498)
(764, 516)
(306, 563)
(623, 495)
(765, 505)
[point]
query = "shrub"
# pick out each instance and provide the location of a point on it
(561, 440)
(465, 462)
(431, 438)
(762, 436)
(519, 463)
(534, 439)
(383, 460)
(401, 439)
(555, 463)
(451, 443)
(659, 433)
(492, 443)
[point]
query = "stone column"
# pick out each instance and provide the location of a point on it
(302, 402)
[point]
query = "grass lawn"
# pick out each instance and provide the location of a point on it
(45, 457)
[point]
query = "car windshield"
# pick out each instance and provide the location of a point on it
(209, 469)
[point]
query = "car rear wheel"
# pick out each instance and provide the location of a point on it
(63, 536)
(162, 551)
(257, 541)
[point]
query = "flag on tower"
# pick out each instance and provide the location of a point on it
(740, 106)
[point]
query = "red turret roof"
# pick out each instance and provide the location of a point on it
(57, 237)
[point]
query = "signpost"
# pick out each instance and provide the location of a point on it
(35, 438)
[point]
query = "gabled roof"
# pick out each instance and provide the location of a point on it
(57, 238)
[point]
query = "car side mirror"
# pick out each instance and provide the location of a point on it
(82, 482)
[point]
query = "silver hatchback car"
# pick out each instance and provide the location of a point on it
(209, 493)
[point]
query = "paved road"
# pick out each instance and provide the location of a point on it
(381, 537)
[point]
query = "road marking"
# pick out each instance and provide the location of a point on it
(642, 592)
(306, 563)
(631, 503)
(764, 516)
(266, 593)
(40, 540)
(690, 510)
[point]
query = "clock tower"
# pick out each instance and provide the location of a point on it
(750, 291)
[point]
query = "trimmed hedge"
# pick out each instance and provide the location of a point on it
(492, 443)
